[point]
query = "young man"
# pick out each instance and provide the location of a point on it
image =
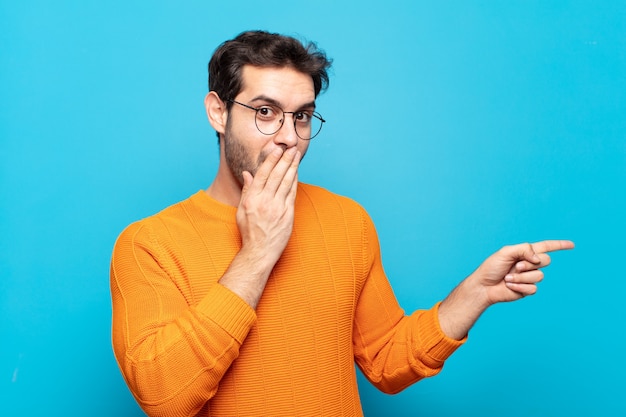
(257, 295)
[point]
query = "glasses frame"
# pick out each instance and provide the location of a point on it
(282, 121)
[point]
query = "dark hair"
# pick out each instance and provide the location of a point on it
(264, 49)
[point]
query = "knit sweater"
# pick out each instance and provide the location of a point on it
(187, 345)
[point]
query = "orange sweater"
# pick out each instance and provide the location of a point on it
(186, 345)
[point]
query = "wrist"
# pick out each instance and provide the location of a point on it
(247, 275)
(462, 307)
(475, 292)
(257, 261)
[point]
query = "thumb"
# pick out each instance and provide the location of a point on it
(528, 253)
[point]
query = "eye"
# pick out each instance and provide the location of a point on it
(267, 113)
(303, 117)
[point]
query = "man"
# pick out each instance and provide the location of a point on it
(257, 295)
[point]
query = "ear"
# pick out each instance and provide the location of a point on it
(216, 112)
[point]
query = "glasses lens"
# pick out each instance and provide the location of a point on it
(308, 125)
(269, 119)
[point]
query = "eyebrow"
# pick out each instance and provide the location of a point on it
(276, 103)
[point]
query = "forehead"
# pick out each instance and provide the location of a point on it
(284, 85)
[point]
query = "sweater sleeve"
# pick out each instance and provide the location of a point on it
(392, 349)
(171, 354)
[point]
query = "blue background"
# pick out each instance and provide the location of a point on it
(461, 126)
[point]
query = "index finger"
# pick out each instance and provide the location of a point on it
(283, 171)
(552, 245)
(266, 168)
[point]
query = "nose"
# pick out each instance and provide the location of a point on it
(286, 135)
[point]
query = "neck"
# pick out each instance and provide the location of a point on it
(225, 188)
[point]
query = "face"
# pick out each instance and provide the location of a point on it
(245, 148)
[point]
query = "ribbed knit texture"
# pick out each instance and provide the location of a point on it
(187, 345)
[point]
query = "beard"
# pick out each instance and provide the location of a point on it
(238, 158)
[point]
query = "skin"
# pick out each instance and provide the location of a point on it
(258, 174)
(511, 273)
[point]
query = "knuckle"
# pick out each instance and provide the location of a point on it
(504, 249)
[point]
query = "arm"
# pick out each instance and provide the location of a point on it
(508, 275)
(173, 355)
(392, 349)
(265, 221)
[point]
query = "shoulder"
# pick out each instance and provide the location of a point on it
(148, 228)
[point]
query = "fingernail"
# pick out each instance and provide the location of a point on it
(508, 278)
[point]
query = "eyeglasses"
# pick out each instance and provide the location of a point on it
(269, 119)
